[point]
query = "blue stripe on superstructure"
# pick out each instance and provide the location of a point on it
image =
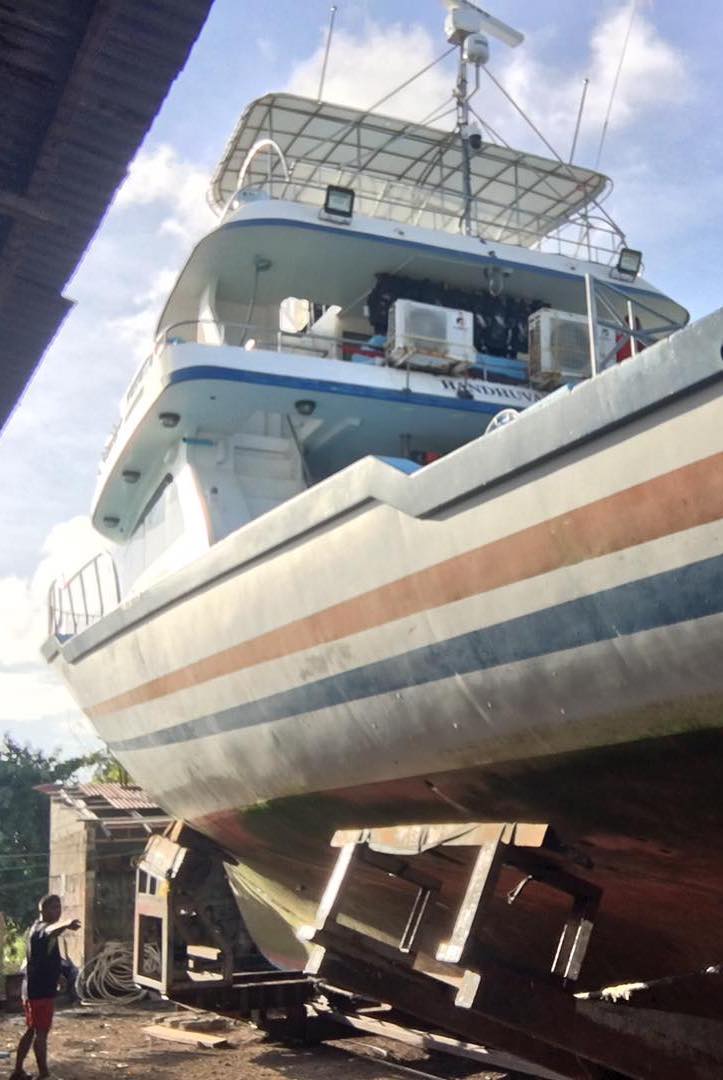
(488, 257)
(400, 397)
(483, 258)
(690, 592)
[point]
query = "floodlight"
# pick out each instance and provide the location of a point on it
(629, 263)
(339, 202)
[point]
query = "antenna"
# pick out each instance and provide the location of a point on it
(465, 27)
(330, 32)
(585, 84)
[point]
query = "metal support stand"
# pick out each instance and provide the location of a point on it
(473, 994)
(497, 846)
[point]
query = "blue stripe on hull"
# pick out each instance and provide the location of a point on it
(690, 592)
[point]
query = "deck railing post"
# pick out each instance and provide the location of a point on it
(591, 304)
(631, 324)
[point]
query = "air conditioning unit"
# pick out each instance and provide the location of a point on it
(559, 347)
(430, 338)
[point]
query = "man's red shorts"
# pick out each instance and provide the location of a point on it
(39, 1013)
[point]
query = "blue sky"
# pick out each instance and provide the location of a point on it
(663, 151)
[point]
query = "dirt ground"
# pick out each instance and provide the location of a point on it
(98, 1042)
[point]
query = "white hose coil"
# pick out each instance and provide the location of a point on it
(109, 975)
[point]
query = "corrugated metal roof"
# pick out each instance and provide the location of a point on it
(119, 796)
(80, 83)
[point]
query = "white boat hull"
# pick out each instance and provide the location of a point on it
(543, 605)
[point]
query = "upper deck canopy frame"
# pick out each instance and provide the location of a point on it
(403, 171)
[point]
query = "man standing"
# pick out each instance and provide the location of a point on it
(41, 983)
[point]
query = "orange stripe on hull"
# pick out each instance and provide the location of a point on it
(679, 500)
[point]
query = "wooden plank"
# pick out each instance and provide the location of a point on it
(414, 839)
(443, 1044)
(521, 1014)
(190, 1038)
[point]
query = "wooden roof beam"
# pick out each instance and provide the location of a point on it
(25, 209)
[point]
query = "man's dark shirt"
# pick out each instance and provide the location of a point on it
(43, 963)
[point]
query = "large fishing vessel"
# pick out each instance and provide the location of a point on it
(415, 511)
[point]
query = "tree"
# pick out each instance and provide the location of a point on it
(25, 824)
(107, 769)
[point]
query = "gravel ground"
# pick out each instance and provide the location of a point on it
(95, 1043)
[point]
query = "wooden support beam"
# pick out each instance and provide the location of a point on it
(442, 1044)
(21, 208)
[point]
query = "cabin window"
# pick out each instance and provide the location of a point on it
(160, 524)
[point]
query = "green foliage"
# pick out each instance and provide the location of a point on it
(107, 770)
(25, 824)
(14, 951)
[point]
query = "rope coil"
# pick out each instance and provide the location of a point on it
(109, 975)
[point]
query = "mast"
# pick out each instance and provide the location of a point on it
(463, 128)
(465, 27)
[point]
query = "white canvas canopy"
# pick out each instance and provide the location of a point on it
(293, 147)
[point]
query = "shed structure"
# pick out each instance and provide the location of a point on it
(96, 832)
(80, 84)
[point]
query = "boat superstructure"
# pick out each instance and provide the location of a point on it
(402, 539)
(316, 375)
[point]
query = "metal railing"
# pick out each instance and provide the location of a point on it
(240, 335)
(591, 237)
(597, 296)
(250, 338)
(84, 598)
(306, 343)
(627, 327)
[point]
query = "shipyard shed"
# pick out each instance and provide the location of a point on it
(97, 830)
(80, 84)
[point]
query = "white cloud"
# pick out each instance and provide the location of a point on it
(23, 601)
(67, 546)
(654, 72)
(32, 695)
(175, 189)
(653, 76)
(137, 329)
(365, 67)
(29, 690)
(162, 178)
(18, 643)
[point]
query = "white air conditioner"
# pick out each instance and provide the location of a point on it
(559, 347)
(430, 338)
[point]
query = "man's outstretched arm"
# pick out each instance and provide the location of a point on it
(60, 927)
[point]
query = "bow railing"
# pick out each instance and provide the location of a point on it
(81, 600)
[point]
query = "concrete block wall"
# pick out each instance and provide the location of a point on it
(71, 843)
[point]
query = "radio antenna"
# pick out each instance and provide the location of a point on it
(604, 132)
(330, 31)
(585, 84)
